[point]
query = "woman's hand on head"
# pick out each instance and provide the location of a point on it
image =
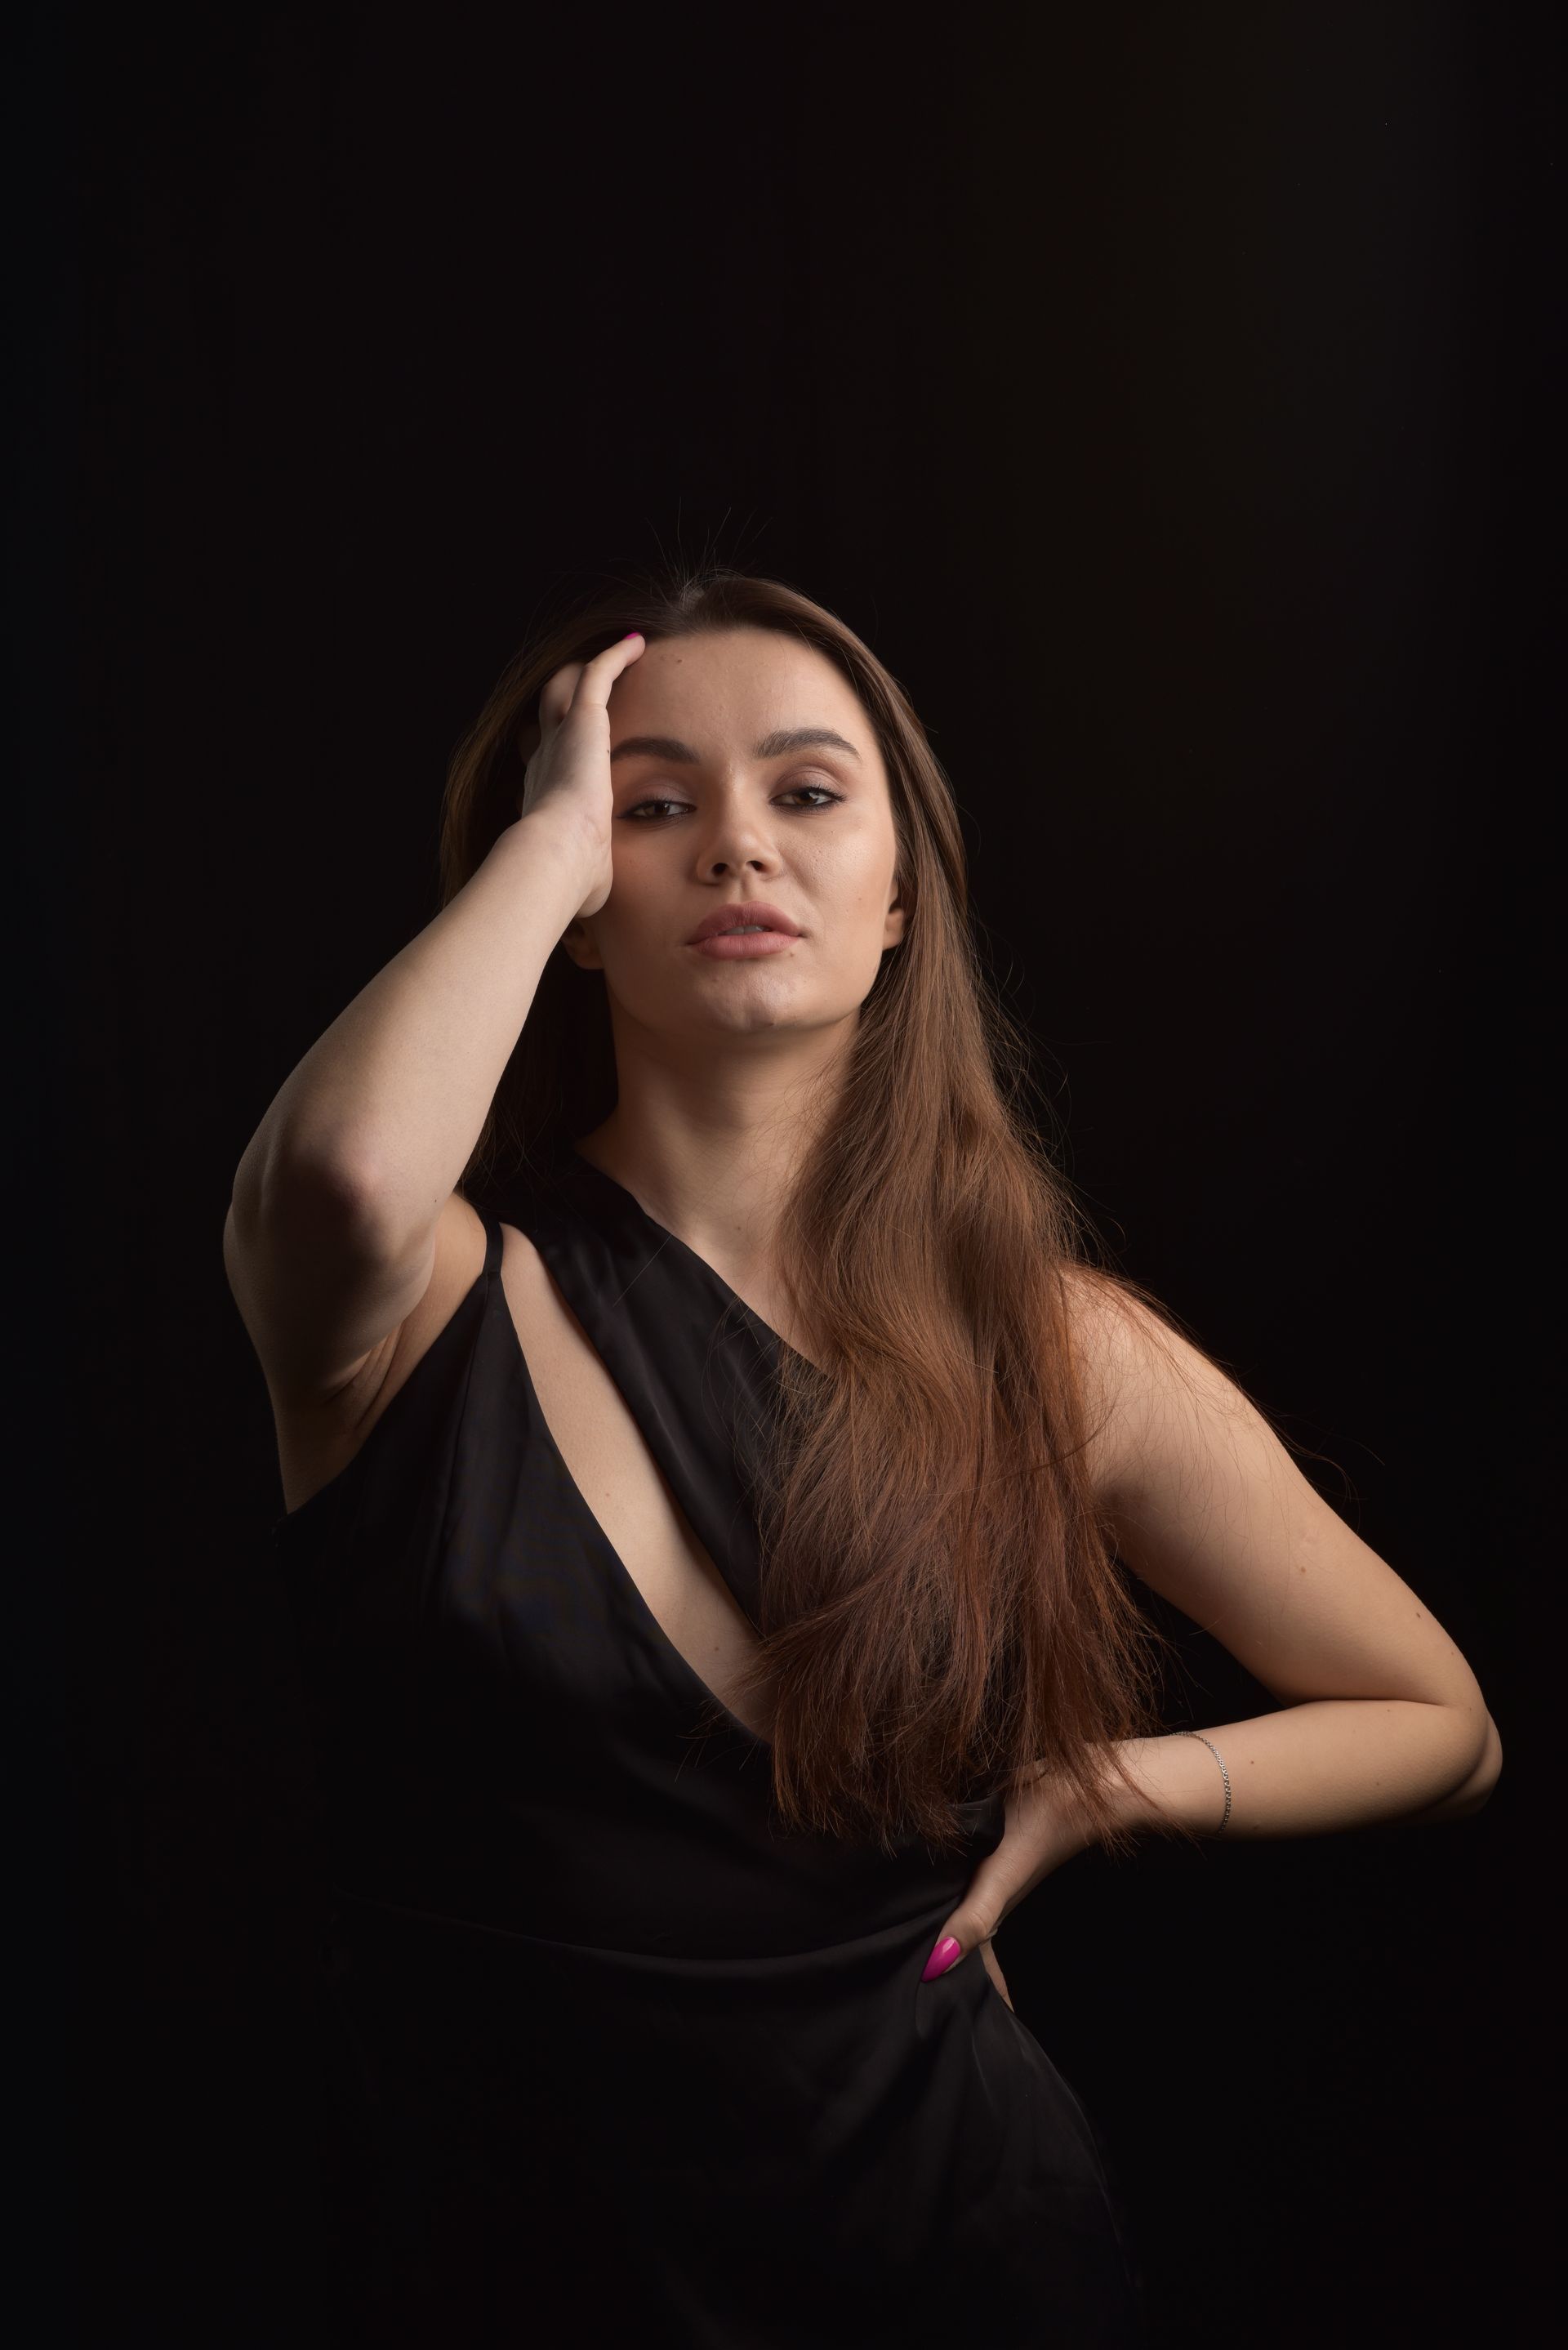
(566, 779)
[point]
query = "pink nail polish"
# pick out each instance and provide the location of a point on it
(947, 1951)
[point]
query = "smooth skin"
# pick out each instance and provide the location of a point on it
(722, 1066)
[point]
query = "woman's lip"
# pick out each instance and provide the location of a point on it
(736, 946)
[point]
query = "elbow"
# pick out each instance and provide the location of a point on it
(1488, 1770)
(1472, 1795)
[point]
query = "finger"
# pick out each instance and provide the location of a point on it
(946, 1951)
(985, 1904)
(556, 698)
(595, 677)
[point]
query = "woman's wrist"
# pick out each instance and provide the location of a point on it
(1172, 1782)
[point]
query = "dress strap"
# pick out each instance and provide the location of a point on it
(493, 1245)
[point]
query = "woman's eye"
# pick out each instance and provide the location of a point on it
(643, 804)
(823, 794)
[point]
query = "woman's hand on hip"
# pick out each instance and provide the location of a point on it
(1044, 1826)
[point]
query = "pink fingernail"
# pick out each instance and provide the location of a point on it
(949, 1948)
(631, 632)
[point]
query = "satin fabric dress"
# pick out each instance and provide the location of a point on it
(611, 2050)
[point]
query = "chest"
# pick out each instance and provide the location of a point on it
(623, 1487)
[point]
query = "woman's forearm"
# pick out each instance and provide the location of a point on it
(391, 1101)
(1314, 1769)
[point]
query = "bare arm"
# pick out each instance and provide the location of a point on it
(391, 1101)
(1381, 1717)
(387, 1105)
(1318, 1768)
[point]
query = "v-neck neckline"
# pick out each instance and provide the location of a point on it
(578, 1164)
(625, 1577)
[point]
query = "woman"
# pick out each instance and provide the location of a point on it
(710, 1458)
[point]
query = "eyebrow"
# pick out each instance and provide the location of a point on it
(771, 746)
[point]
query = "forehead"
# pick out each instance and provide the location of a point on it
(716, 689)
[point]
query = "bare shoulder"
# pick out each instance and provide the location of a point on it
(317, 1440)
(1208, 1508)
(1135, 1371)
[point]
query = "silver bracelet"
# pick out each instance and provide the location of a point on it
(1220, 1759)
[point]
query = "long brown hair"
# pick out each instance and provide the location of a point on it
(943, 1610)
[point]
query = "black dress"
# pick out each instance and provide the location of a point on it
(612, 2050)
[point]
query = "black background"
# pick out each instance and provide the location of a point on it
(1163, 394)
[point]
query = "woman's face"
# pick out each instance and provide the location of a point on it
(707, 815)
